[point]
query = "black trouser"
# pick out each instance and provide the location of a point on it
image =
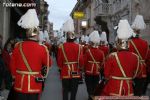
(8, 79)
(70, 85)
(1, 81)
(91, 83)
(12, 94)
(139, 86)
(27, 96)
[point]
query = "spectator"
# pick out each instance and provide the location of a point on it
(6, 54)
(2, 67)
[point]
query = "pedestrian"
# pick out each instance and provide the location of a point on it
(7, 51)
(93, 60)
(2, 68)
(44, 39)
(27, 60)
(85, 44)
(140, 47)
(1, 41)
(104, 43)
(6, 54)
(70, 60)
(122, 66)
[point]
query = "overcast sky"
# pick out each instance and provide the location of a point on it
(60, 11)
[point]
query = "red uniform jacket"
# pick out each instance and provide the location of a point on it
(70, 69)
(119, 84)
(148, 63)
(37, 56)
(105, 49)
(93, 67)
(142, 47)
(85, 48)
(48, 46)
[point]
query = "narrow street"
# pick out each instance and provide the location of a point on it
(81, 33)
(53, 87)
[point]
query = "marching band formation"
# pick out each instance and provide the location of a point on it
(121, 70)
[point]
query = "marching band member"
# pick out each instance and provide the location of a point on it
(140, 47)
(121, 66)
(93, 59)
(84, 43)
(28, 58)
(104, 44)
(69, 60)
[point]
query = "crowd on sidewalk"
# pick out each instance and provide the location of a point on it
(5, 56)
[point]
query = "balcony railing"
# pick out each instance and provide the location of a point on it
(106, 9)
(103, 9)
(118, 6)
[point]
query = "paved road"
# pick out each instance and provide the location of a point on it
(53, 87)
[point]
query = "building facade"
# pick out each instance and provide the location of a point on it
(43, 14)
(50, 30)
(50, 27)
(4, 21)
(105, 15)
(9, 17)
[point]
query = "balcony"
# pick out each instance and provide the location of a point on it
(119, 6)
(103, 9)
(107, 9)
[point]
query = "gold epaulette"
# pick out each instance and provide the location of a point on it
(60, 45)
(41, 44)
(112, 54)
(45, 47)
(18, 43)
(81, 47)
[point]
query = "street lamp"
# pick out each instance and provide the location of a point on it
(84, 24)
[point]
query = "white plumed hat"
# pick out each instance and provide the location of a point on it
(139, 23)
(104, 37)
(69, 26)
(124, 30)
(86, 39)
(82, 38)
(69, 29)
(29, 20)
(94, 37)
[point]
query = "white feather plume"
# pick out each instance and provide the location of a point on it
(29, 20)
(86, 39)
(139, 23)
(124, 30)
(68, 26)
(104, 37)
(94, 37)
(82, 38)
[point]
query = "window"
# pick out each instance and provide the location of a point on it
(105, 1)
